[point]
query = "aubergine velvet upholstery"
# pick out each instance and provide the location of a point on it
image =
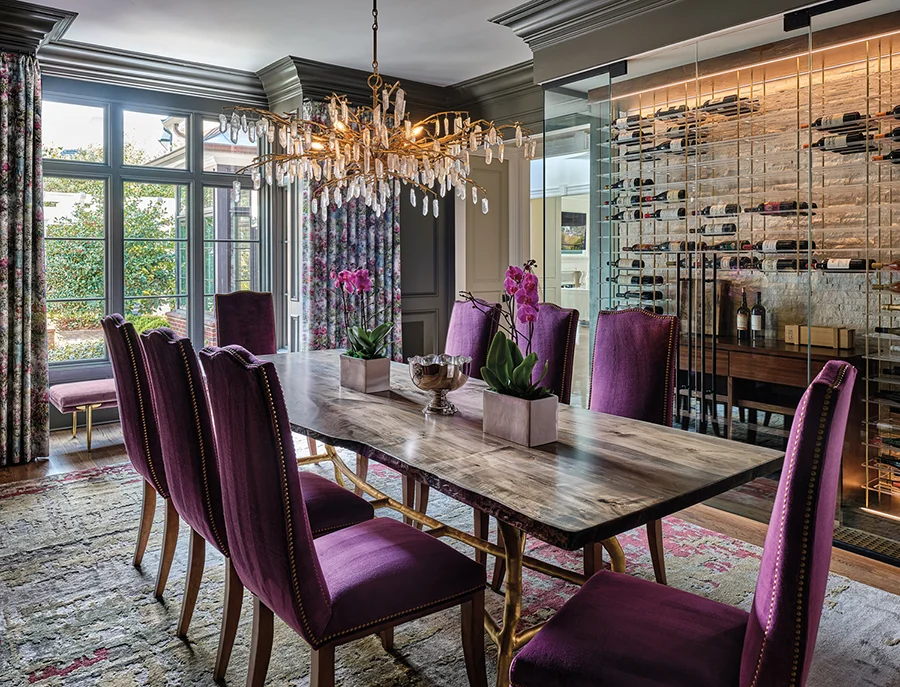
(633, 375)
(471, 331)
(135, 398)
(186, 434)
(247, 319)
(784, 618)
(377, 571)
(618, 630)
(330, 506)
(66, 398)
(554, 342)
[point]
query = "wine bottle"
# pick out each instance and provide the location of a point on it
(632, 136)
(731, 246)
(643, 295)
(623, 200)
(893, 134)
(641, 247)
(676, 131)
(845, 264)
(679, 246)
(666, 214)
(733, 262)
(836, 121)
(893, 112)
(630, 183)
(782, 246)
(636, 279)
(888, 330)
(758, 320)
(627, 264)
(656, 309)
(893, 157)
(718, 229)
(674, 145)
(627, 215)
(894, 286)
(720, 210)
(784, 207)
(783, 264)
(743, 319)
(628, 122)
(854, 142)
(669, 196)
(890, 266)
(673, 111)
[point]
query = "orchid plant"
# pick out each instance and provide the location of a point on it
(366, 341)
(509, 370)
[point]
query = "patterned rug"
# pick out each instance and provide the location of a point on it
(74, 612)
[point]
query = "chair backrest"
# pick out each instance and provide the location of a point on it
(471, 331)
(554, 342)
(247, 319)
(634, 362)
(268, 529)
(135, 399)
(186, 433)
(784, 618)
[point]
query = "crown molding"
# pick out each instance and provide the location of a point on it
(506, 94)
(543, 23)
(24, 27)
(281, 84)
(80, 61)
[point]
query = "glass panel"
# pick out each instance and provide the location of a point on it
(72, 132)
(154, 140)
(74, 330)
(224, 220)
(220, 154)
(230, 266)
(74, 208)
(150, 313)
(75, 268)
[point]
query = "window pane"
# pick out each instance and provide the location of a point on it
(225, 220)
(72, 132)
(220, 154)
(230, 266)
(75, 268)
(74, 208)
(155, 140)
(154, 268)
(74, 330)
(155, 211)
(150, 313)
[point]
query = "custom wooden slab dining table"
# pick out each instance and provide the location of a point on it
(605, 475)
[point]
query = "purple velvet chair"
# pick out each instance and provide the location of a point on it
(553, 340)
(190, 459)
(141, 435)
(619, 630)
(246, 318)
(471, 331)
(633, 375)
(358, 581)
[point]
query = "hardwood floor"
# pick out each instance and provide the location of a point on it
(70, 455)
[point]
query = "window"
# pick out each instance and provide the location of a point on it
(142, 219)
(73, 132)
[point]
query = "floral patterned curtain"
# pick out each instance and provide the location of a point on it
(352, 237)
(24, 420)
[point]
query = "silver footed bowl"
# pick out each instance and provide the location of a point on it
(439, 373)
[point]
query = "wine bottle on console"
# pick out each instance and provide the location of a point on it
(846, 264)
(757, 320)
(667, 214)
(837, 121)
(630, 183)
(720, 210)
(782, 246)
(669, 196)
(627, 264)
(743, 319)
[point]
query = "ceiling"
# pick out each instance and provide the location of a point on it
(437, 42)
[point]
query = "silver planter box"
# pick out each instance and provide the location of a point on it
(367, 376)
(530, 423)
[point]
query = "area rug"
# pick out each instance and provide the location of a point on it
(74, 612)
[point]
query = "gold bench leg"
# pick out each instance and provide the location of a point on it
(74, 424)
(88, 421)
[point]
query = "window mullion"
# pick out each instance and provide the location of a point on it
(115, 281)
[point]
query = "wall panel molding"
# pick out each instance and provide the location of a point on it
(24, 27)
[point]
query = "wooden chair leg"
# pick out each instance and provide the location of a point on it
(231, 616)
(472, 612)
(148, 508)
(387, 639)
(593, 558)
(362, 471)
(170, 538)
(313, 449)
(751, 420)
(767, 418)
(422, 492)
(195, 564)
(261, 644)
(499, 566)
(321, 672)
(482, 527)
(657, 552)
(409, 494)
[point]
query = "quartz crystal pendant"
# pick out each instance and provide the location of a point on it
(270, 134)
(437, 128)
(235, 120)
(412, 197)
(533, 149)
(234, 134)
(293, 128)
(500, 148)
(446, 125)
(462, 192)
(474, 194)
(435, 207)
(314, 205)
(488, 155)
(484, 205)
(518, 136)
(244, 123)
(223, 123)
(236, 187)
(252, 134)
(424, 205)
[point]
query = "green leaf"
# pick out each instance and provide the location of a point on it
(497, 356)
(492, 380)
(515, 353)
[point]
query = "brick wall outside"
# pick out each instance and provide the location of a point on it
(178, 324)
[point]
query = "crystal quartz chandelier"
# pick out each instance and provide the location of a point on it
(373, 152)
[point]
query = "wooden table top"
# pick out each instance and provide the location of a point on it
(604, 476)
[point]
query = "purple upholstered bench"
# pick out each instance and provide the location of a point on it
(86, 396)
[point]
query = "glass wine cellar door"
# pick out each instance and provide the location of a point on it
(746, 183)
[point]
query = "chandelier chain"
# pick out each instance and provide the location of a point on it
(375, 36)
